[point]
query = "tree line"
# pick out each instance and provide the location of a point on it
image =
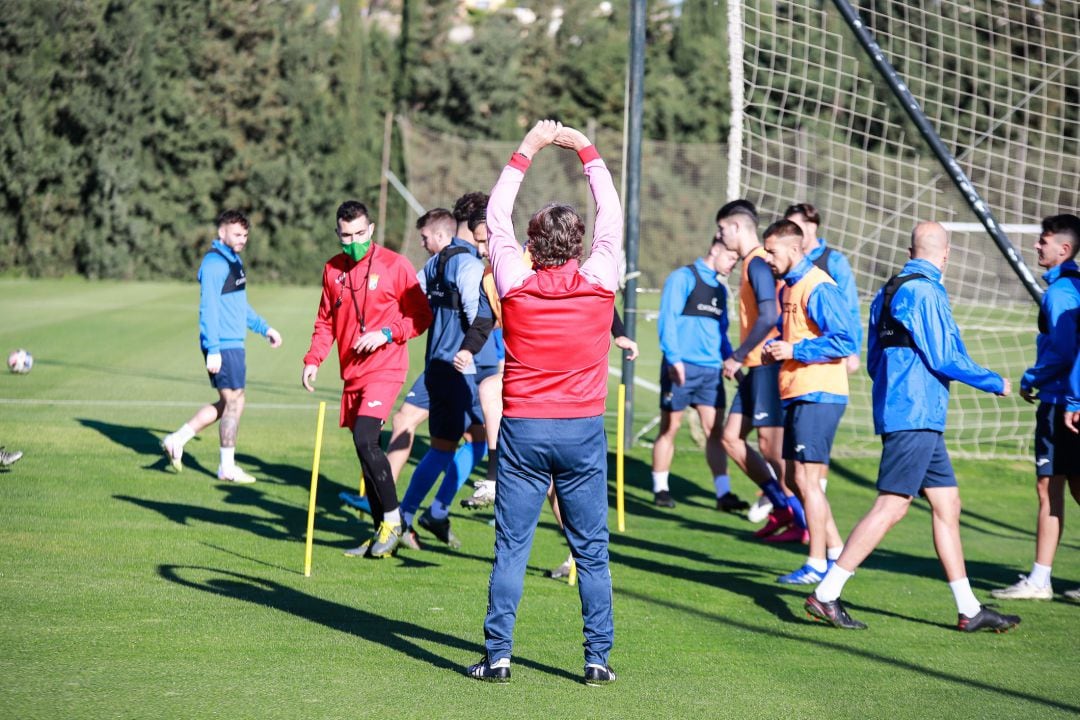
(126, 125)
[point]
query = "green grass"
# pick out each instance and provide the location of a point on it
(128, 592)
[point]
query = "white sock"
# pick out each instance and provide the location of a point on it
(500, 663)
(659, 481)
(833, 553)
(723, 485)
(393, 517)
(818, 564)
(184, 434)
(830, 588)
(1040, 575)
(228, 461)
(438, 510)
(407, 518)
(966, 602)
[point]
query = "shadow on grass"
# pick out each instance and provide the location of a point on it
(275, 520)
(397, 635)
(817, 645)
(921, 505)
(142, 441)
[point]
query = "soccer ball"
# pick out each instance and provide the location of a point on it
(20, 361)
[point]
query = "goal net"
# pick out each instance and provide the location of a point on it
(1000, 81)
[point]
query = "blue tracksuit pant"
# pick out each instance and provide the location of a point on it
(533, 452)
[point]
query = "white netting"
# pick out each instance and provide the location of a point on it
(999, 81)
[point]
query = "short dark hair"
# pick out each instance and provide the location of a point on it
(807, 210)
(437, 216)
(351, 210)
(469, 203)
(1064, 225)
(737, 207)
(782, 228)
(555, 235)
(477, 218)
(233, 217)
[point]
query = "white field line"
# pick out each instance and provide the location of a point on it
(151, 403)
(617, 372)
(247, 406)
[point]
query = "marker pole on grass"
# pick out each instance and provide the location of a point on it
(620, 503)
(314, 487)
(571, 579)
(363, 490)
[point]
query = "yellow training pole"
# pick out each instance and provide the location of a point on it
(620, 501)
(571, 579)
(362, 491)
(314, 488)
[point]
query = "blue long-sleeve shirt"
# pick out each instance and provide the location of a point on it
(1056, 349)
(827, 308)
(693, 339)
(465, 272)
(224, 318)
(911, 385)
(839, 270)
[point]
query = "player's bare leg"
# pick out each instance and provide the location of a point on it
(662, 455)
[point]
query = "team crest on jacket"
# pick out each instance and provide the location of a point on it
(373, 282)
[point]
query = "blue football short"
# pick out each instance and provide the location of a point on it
(418, 394)
(912, 460)
(483, 372)
(233, 372)
(454, 403)
(1057, 449)
(759, 396)
(703, 386)
(809, 430)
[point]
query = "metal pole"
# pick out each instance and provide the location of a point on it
(388, 126)
(633, 195)
(948, 162)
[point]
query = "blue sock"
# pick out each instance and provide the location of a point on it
(465, 459)
(776, 495)
(431, 466)
(797, 509)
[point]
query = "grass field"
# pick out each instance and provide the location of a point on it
(128, 592)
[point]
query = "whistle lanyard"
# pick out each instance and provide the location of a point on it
(345, 279)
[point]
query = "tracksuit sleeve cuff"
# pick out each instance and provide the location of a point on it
(588, 153)
(520, 162)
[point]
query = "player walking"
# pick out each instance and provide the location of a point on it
(224, 319)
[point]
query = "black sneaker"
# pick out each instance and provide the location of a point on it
(663, 499)
(439, 528)
(987, 619)
(730, 502)
(831, 612)
(597, 675)
(483, 671)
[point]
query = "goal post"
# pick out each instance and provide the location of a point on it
(996, 81)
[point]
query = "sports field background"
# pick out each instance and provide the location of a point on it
(129, 592)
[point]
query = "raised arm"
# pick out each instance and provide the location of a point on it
(505, 252)
(604, 265)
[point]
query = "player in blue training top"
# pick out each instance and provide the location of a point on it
(693, 327)
(914, 352)
(224, 319)
(451, 279)
(1057, 450)
(815, 340)
(807, 217)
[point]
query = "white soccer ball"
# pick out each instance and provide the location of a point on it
(20, 361)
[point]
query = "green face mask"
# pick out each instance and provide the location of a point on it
(356, 250)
